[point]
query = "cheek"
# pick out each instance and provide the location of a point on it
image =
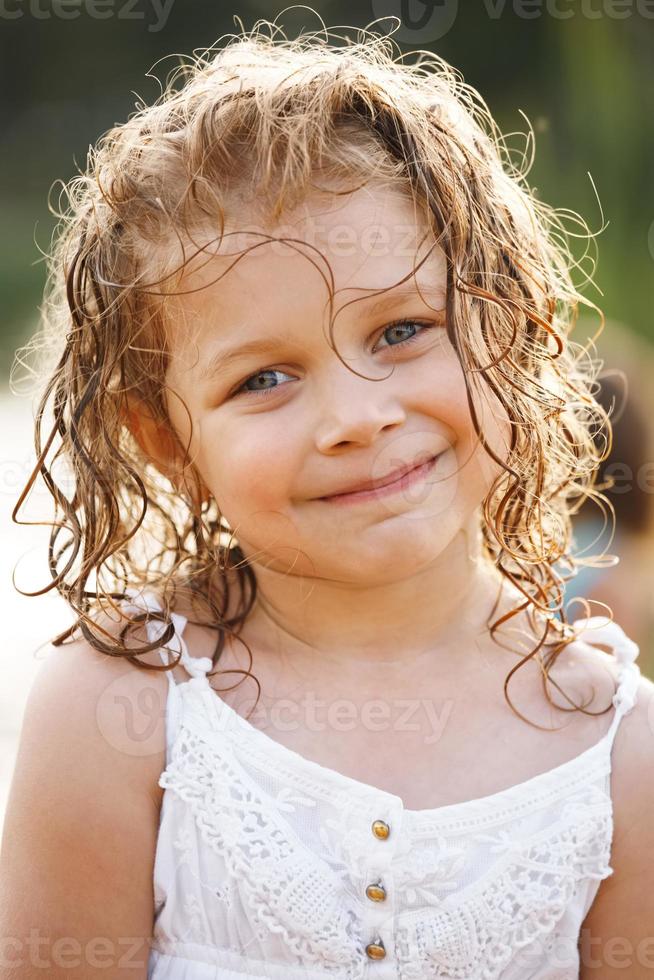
(494, 423)
(248, 466)
(438, 391)
(443, 396)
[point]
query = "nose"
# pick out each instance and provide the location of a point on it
(355, 410)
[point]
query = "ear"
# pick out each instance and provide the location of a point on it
(160, 444)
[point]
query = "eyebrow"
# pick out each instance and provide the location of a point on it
(224, 356)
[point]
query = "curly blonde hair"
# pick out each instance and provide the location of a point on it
(268, 112)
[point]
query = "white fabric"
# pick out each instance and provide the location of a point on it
(263, 855)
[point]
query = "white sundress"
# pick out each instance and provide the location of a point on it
(270, 866)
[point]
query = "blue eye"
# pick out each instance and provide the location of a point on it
(403, 324)
(257, 377)
(400, 325)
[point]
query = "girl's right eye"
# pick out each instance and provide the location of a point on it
(257, 377)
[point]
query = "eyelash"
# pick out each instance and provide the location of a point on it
(406, 321)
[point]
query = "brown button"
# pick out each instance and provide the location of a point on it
(380, 829)
(376, 950)
(376, 893)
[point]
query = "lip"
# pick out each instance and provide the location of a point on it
(406, 477)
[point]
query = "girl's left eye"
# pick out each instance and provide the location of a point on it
(403, 324)
(397, 325)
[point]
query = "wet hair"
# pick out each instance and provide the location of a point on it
(290, 117)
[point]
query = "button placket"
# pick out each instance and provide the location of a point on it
(384, 834)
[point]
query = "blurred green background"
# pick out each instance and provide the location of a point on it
(585, 81)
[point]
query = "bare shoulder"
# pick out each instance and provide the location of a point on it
(617, 932)
(81, 825)
(633, 747)
(119, 706)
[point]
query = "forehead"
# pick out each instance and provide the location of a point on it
(351, 245)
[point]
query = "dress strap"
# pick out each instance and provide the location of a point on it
(194, 666)
(597, 629)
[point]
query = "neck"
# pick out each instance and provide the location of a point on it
(438, 611)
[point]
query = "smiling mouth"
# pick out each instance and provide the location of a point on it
(401, 483)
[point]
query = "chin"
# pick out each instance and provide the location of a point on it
(384, 555)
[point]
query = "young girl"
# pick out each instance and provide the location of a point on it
(326, 429)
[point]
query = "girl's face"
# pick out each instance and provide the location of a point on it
(278, 431)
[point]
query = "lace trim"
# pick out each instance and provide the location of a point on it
(312, 904)
(288, 888)
(208, 715)
(481, 935)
